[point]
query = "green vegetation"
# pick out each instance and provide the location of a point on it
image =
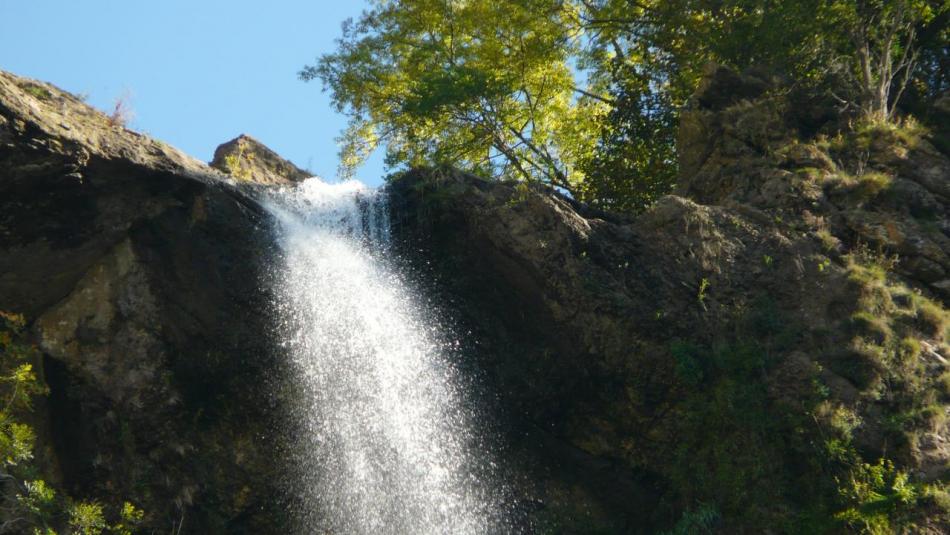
(238, 165)
(28, 503)
(584, 94)
(735, 436)
(876, 494)
(701, 294)
(696, 521)
(37, 91)
(729, 443)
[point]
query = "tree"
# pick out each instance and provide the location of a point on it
(649, 56)
(882, 50)
(634, 161)
(584, 94)
(480, 84)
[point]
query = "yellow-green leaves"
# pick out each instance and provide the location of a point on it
(584, 94)
(130, 517)
(18, 384)
(35, 503)
(877, 493)
(87, 518)
(38, 498)
(16, 443)
(478, 84)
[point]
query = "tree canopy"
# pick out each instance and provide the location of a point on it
(584, 94)
(485, 85)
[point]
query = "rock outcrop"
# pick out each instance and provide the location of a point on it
(886, 186)
(247, 159)
(738, 350)
(141, 272)
(737, 358)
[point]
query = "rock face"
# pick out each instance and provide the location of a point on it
(736, 359)
(245, 158)
(706, 357)
(141, 271)
(885, 187)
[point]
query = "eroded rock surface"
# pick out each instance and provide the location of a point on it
(141, 272)
(744, 344)
(714, 349)
(247, 159)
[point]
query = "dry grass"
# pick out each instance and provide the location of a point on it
(121, 113)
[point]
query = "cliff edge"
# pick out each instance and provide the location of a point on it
(765, 350)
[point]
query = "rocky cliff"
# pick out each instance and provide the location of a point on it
(765, 350)
(139, 271)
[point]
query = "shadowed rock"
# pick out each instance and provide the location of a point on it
(141, 271)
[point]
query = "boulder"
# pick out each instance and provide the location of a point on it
(247, 159)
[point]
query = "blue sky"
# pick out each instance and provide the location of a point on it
(198, 72)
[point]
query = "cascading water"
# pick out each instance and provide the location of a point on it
(386, 442)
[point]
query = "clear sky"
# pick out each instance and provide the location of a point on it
(198, 72)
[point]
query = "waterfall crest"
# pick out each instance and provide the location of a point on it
(386, 440)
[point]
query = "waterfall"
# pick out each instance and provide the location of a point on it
(385, 440)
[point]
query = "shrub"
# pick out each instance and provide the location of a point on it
(943, 384)
(121, 112)
(34, 504)
(87, 518)
(909, 350)
(870, 185)
(37, 91)
(867, 324)
(876, 495)
(697, 521)
(235, 163)
(937, 496)
(933, 319)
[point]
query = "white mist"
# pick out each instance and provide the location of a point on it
(388, 445)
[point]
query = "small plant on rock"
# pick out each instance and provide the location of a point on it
(121, 111)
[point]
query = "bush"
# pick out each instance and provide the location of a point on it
(876, 495)
(697, 521)
(35, 504)
(87, 518)
(933, 319)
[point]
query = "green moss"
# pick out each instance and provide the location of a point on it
(37, 91)
(867, 273)
(907, 132)
(861, 362)
(828, 241)
(937, 496)
(868, 137)
(869, 185)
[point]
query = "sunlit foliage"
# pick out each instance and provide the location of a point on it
(584, 94)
